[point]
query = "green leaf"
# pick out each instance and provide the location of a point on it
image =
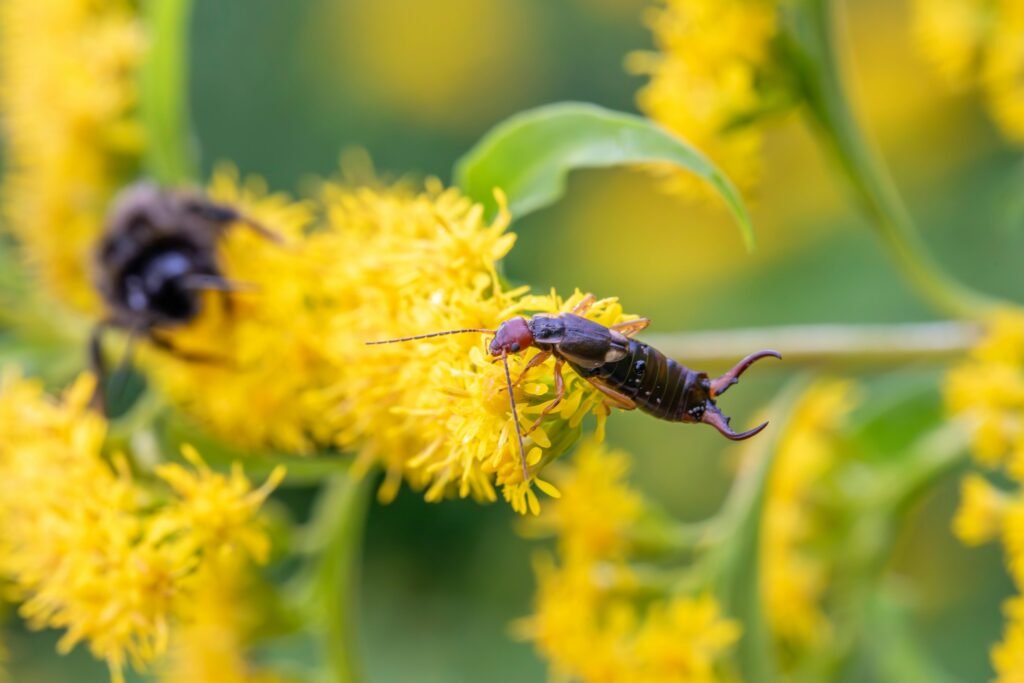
(163, 93)
(530, 155)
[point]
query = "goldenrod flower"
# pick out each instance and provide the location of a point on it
(382, 262)
(596, 509)
(91, 550)
(1008, 656)
(713, 80)
(987, 392)
(982, 511)
(793, 578)
(68, 101)
(978, 42)
(211, 644)
(587, 622)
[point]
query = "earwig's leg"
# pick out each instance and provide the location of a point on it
(534, 362)
(714, 417)
(515, 418)
(584, 305)
(167, 345)
(616, 399)
(631, 327)
(719, 385)
(559, 395)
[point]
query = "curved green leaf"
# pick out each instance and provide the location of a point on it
(530, 155)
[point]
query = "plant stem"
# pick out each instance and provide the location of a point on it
(811, 32)
(337, 533)
(824, 344)
(164, 92)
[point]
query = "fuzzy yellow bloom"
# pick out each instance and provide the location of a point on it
(586, 621)
(978, 42)
(1008, 656)
(68, 71)
(91, 550)
(210, 646)
(379, 263)
(793, 578)
(987, 390)
(712, 81)
(981, 513)
(595, 511)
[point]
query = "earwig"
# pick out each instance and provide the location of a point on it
(630, 373)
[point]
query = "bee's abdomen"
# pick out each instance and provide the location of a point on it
(659, 385)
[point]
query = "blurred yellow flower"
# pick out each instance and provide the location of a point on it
(986, 391)
(794, 578)
(596, 509)
(210, 645)
(91, 550)
(590, 621)
(713, 81)
(68, 98)
(978, 42)
(982, 511)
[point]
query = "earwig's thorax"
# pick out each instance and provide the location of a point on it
(513, 335)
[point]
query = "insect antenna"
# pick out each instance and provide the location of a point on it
(515, 417)
(427, 336)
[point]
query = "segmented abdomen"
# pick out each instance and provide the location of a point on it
(659, 385)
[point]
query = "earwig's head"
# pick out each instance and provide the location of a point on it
(512, 336)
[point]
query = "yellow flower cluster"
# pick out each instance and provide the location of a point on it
(987, 392)
(89, 549)
(978, 42)
(711, 81)
(377, 263)
(793, 578)
(586, 622)
(210, 645)
(68, 71)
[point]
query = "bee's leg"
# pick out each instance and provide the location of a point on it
(615, 399)
(559, 395)
(631, 327)
(97, 365)
(189, 356)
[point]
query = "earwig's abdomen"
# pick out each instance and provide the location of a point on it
(659, 385)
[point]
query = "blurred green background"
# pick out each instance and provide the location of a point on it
(281, 88)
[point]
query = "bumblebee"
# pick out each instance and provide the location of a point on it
(156, 258)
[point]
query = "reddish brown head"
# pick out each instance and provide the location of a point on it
(512, 336)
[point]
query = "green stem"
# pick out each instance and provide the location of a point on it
(841, 344)
(164, 93)
(813, 43)
(337, 533)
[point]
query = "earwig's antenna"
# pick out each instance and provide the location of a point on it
(515, 417)
(427, 336)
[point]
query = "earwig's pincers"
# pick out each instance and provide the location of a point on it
(716, 387)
